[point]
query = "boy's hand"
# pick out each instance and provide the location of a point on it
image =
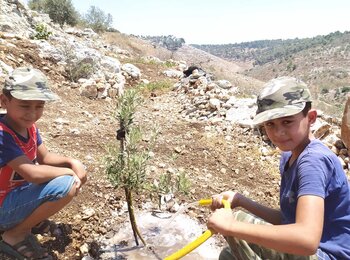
(230, 196)
(78, 184)
(221, 221)
(79, 170)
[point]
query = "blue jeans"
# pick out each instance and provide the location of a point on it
(23, 200)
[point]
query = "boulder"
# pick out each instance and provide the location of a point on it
(345, 124)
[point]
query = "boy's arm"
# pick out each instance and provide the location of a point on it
(270, 215)
(300, 238)
(235, 199)
(37, 173)
(44, 157)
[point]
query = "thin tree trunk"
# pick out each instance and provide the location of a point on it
(128, 196)
(135, 229)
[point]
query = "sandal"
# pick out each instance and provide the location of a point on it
(29, 245)
(44, 227)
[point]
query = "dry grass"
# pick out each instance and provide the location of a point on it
(135, 45)
(220, 68)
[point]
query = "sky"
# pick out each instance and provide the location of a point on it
(225, 21)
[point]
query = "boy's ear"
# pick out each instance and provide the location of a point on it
(312, 116)
(3, 100)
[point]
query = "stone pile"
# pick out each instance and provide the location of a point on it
(217, 103)
(67, 47)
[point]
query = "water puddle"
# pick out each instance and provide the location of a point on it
(164, 233)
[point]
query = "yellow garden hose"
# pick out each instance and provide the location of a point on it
(200, 240)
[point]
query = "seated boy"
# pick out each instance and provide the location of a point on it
(313, 221)
(34, 183)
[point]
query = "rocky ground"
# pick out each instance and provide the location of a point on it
(82, 128)
(212, 163)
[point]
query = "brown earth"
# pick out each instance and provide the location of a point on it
(82, 128)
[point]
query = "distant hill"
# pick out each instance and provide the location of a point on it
(219, 67)
(322, 61)
(264, 51)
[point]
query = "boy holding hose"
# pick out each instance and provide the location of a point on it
(313, 221)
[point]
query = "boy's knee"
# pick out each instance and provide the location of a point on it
(83, 179)
(241, 216)
(248, 218)
(226, 254)
(72, 192)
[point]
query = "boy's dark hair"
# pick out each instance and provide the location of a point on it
(306, 108)
(7, 93)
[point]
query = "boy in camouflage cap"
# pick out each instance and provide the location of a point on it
(34, 183)
(313, 221)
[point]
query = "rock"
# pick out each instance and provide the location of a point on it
(345, 124)
(214, 103)
(322, 130)
(131, 70)
(84, 249)
(87, 213)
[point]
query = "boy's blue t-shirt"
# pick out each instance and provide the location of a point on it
(9, 150)
(317, 171)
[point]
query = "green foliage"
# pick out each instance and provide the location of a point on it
(169, 64)
(60, 11)
(324, 91)
(127, 105)
(345, 89)
(172, 183)
(98, 20)
(37, 5)
(165, 184)
(77, 68)
(80, 69)
(170, 42)
(265, 51)
(126, 164)
(291, 66)
(155, 86)
(183, 183)
(41, 32)
(129, 169)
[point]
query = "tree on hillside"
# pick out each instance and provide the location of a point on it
(60, 11)
(172, 43)
(97, 19)
(37, 5)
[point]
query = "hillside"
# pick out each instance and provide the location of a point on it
(323, 62)
(220, 68)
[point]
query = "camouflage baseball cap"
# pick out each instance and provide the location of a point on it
(280, 97)
(26, 83)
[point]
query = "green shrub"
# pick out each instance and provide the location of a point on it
(155, 86)
(324, 91)
(41, 32)
(98, 20)
(79, 70)
(291, 66)
(60, 11)
(172, 183)
(169, 64)
(345, 89)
